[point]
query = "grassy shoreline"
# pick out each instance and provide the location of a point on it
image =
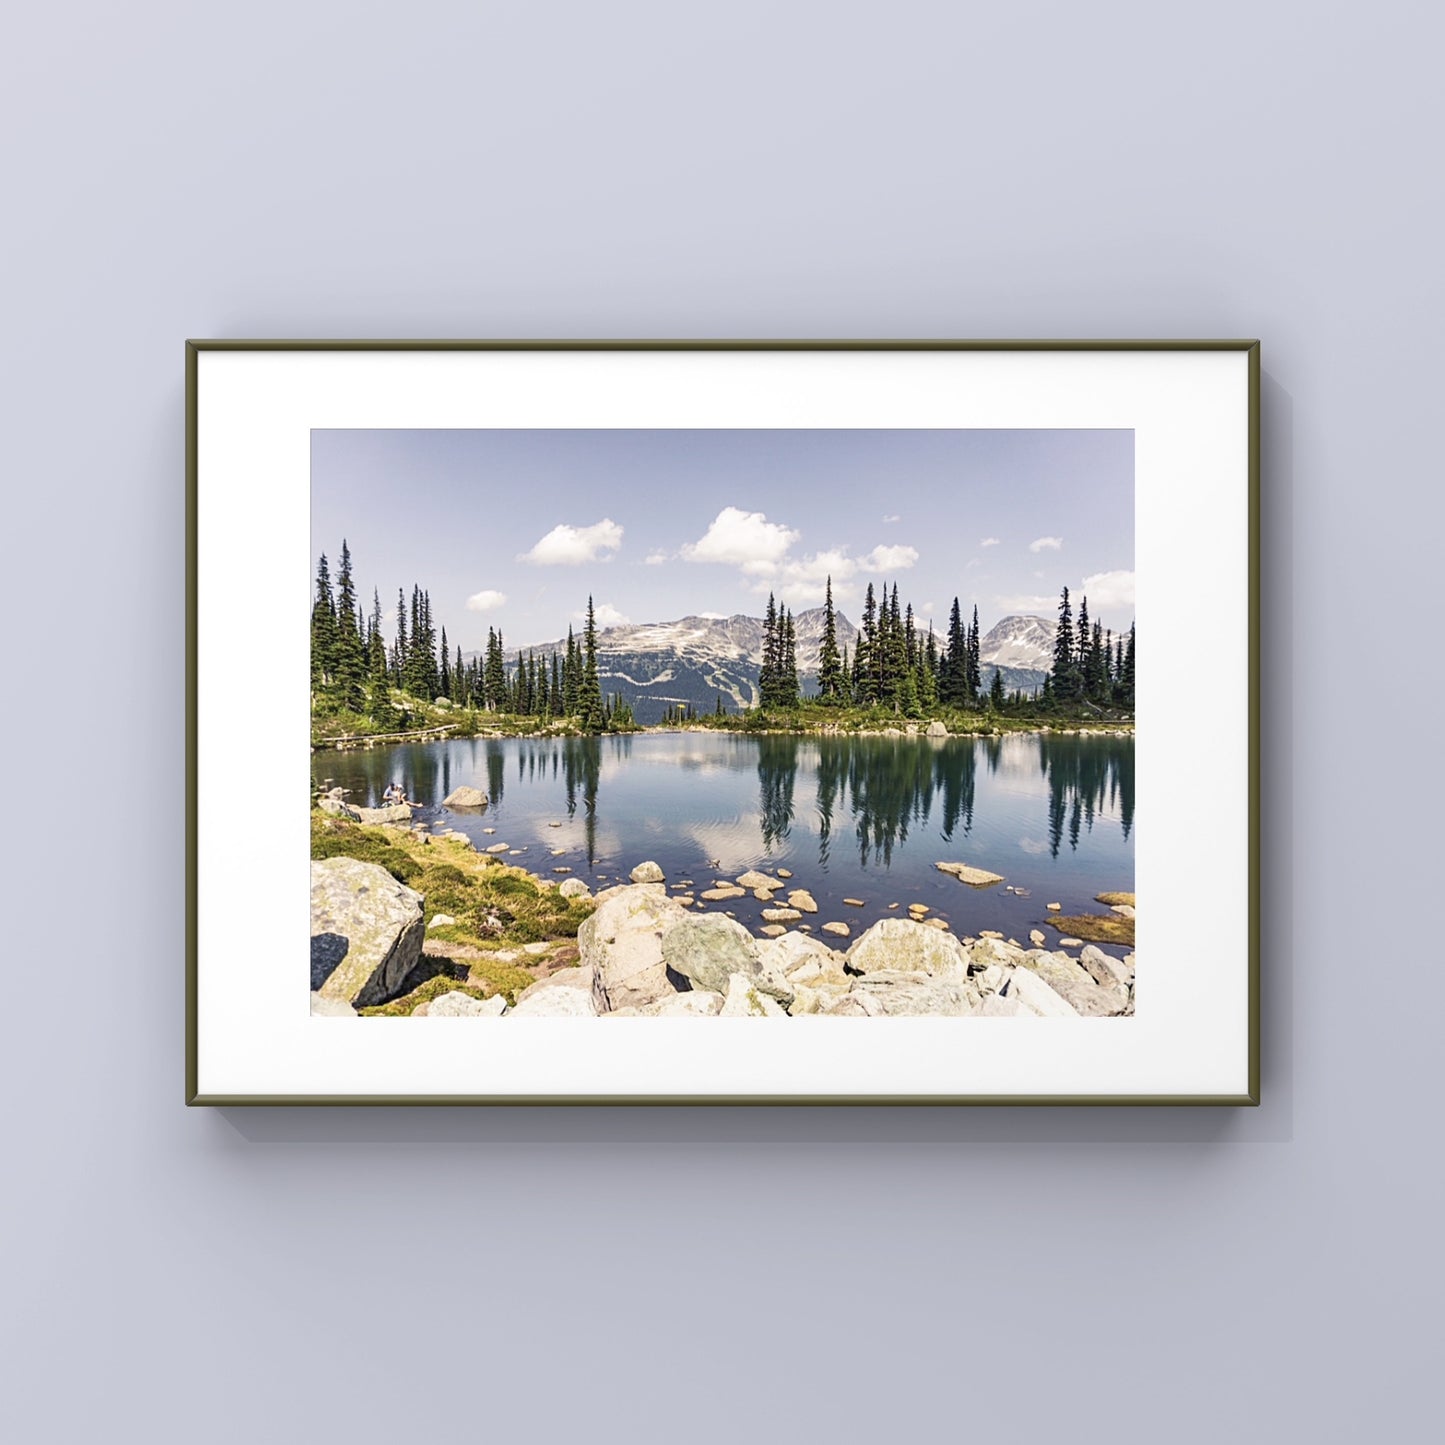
(344, 730)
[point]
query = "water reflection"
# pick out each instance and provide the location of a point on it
(1083, 779)
(872, 794)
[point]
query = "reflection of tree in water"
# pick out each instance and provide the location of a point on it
(889, 785)
(777, 772)
(581, 770)
(1085, 777)
(955, 768)
(496, 764)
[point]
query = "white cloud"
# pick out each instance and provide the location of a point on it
(606, 614)
(1108, 591)
(566, 546)
(1046, 544)
(989, 542)
(927, 609)
(892, 517)
(655, 559)
(889, 559)
(1025, 602)
(487, 600)
(742, 539)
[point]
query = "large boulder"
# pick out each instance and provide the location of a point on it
(707, 950)
(397, 813)
(648, 872)
(574, 888)
(710, 949)
(465, 797)
(336, 808)
(918, 993)
(1105, 969)
(566, 994)
(936, 729)
(745, 999)
(792, 951)
(366, 931)
(694, 1005)
(899, 945)
(458, 1005)
(1035, 997)
(1075, 986)
(622, 942)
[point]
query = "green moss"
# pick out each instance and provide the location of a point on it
(494, 904)
(1095, 927)
(1113, 898)
(434, 987)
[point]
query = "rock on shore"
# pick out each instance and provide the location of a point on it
(366, 932)
(644, 955)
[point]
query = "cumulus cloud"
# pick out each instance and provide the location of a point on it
(989, 542)
(1046, 544)
(655, 559)
(566, 546)
(742, 539)
(1108, 591)
(606, 614)
(488, 600)
(889, 559)
(891, 517)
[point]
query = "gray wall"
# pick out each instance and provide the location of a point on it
(758, 170)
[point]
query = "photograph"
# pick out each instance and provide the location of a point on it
(714, 723)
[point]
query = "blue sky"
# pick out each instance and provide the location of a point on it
(513, 529)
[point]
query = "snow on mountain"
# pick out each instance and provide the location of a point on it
(693, 659)
(1019, 642)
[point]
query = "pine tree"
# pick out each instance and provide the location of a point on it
(1126, 673)
(445, 679)
(995, 691)
(768, 672)
(974, 671)
(953, 674)
(864, 690)
(788, 663)
(590, 691)
(323, 629)
(1064, 675)
(830, 669)
(350, 659)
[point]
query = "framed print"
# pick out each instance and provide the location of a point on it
(747, 722)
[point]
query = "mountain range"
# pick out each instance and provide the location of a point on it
(657, 665)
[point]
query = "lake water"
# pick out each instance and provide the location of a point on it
(860, 818)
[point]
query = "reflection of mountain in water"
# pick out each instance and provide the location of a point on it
(1083, 779)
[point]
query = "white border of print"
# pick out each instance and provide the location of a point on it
(1189, 412)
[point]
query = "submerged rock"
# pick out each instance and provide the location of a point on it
(753, 879)
(802, 900)
(967, 873)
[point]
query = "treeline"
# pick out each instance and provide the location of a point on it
(354, 669)
(895, 663)
(900, 666)
(1091, 665)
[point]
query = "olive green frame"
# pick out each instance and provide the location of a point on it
(1251, 347)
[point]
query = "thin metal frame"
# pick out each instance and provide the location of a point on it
(193, 1094)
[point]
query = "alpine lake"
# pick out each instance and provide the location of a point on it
(863, 818)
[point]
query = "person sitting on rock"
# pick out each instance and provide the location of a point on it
(391, 795)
